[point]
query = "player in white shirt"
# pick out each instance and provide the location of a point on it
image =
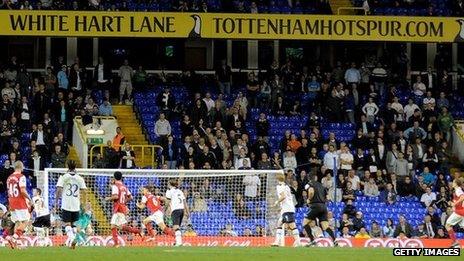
(178, 208)
(287, 213)
(42, 216)
(68, 189)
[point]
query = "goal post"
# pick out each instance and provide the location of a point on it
(224, 204)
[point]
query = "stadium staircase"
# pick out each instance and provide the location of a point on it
(335, 4)
(131, 128)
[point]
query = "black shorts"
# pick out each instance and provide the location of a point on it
(43, 221)
(317, 211)
(288, 217)
(69, 216)
(177, 216)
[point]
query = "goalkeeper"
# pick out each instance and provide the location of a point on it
(83, 224)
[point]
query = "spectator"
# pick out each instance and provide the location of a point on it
(166, 102)
(105, 109)
(346, 160)
(362, 234)
(371, 189)
(331, 159)
(140, 78)
(346, 233)
(407, 188)
(420, 232)
(224, 77)
(419, 87)
(171, 153)
(403, 227)
(228, 231)
(445, 123)
(376, 231)
(430, 228)
(428, 178)
(428, 198)
(102, 75)
(127, 157)
(389, 229)
(441, 234)
(58, 158)
(125, 73)
(252, 184)
(162, 128)
(118, 140)
(358, 221)
(289, 162)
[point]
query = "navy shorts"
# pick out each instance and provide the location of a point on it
(288, 217)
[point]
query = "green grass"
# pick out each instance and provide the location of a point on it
(204, 254)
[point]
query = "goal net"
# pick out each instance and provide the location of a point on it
(227, 207)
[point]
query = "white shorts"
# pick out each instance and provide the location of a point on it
(454, 219)
(20, 215)
(118, 219)
(157, 217)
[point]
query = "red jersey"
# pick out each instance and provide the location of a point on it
(459, 208)
(152, 202)
(15, 182)
(119, 189)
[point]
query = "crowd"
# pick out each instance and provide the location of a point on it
(401, 147)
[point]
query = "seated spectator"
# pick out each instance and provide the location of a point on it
(362, 234)
(349, 209)
(190, 232)
(420, 232)
(239, 206)
(403, 227)
(346, 222)
(389, 196)
(316, 230)
(376, 231)
(441, 234)
(199, 203)
(252, 184)
(354, 180)
(228, 231)
(289, 161)
(346, 233)
(430, 228)
(358, 221)
(429, 178)
(105, 109)
(428, 198)
(389, 229)
(348, 192)
(99, 162)
(419, 87)
(406, 188)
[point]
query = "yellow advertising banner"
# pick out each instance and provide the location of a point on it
(231, 26)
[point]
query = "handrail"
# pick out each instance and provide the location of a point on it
(144, 148)
(351, 8)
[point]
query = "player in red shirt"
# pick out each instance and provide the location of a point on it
(18, 202)
(457, 217)
(153, 204)
(120, 195)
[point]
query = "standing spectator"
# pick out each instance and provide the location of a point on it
(125, 73)
(419, 87)
(331, 159)
(127, 157)
(63, 81)
(389, 195)
(171, 153)
(371, 189)
(252, 184)
(409, 109)
(346, 159)
(352, 75)
(445, 123)
(290, 161)
(50, 81)
(140, 78)
(224, 77)
(262, 126)
(401, 167)
(102, 75)
(76, 79)
(118, 140)
(371, 110)
(162, 128)
(252, 89)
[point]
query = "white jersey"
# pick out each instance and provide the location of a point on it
(176, 198)
(71, 197)
(287, 204)
(39, 206)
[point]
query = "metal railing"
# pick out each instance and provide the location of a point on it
(351, 8)
(142, 152)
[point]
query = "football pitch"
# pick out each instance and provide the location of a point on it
(205, 254)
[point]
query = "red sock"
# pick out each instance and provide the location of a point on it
(150, 230)
(129, 229)
(451, 234)
(168, 231)
(19, 232)
(114, 232)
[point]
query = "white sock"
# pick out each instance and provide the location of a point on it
(296, 235)
(40, 232)
(280, 237)
(70, 234)
(178, 237)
